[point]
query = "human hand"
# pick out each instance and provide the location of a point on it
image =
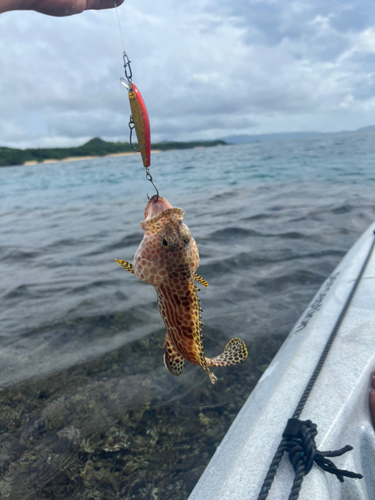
(57, 7)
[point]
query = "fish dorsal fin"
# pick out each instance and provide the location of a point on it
(126, 265)
(200, 280)
(157, 222)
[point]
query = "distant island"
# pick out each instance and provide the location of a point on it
(280, 136)
(94, 148)
(99, 148)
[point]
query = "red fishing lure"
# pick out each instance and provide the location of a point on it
(141, 123)
(138, 120)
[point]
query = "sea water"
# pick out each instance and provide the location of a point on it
(87, 409)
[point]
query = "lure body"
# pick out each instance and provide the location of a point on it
(167, 258)
(141, 123)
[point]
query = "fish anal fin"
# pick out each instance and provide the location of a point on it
(173, 360)
(200, 280)
(126, 265)
(235, 352)
(212, 377)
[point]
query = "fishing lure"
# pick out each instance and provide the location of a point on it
(139, 121)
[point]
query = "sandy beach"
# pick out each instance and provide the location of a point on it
(77, 158)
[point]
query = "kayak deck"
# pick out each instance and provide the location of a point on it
(338, 403)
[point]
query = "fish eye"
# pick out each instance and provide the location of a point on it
(165, 242)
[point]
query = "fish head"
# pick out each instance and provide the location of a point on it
(163, 225)
(167, 247)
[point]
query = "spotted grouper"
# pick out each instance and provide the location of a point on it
(167, 258)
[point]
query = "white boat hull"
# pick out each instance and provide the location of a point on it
(338, 404)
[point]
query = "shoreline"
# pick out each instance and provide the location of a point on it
(92, 150)
(77, 158)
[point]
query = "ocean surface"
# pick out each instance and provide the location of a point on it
(87, 408)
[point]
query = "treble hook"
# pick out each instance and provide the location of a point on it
(149, 178)
(132, 127)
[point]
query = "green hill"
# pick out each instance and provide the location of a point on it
(94, 147)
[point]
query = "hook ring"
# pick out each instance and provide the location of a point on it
(149, 178)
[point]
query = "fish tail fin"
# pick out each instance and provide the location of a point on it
(235, 352)
(126, 265)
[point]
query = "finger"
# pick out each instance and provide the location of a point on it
(58, 8)
(104, 4)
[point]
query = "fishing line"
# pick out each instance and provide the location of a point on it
(139, 120)
(119, 26)
(179, 396)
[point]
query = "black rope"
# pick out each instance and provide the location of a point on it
(300, 443)
(306, 456)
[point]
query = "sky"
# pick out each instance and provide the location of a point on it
(206, 69)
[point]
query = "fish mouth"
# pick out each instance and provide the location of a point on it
(155, 205)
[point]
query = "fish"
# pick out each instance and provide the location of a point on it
(168, 258)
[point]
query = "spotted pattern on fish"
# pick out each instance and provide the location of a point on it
(129, 267)
(235, 352)
(173, 360)
(167, 258)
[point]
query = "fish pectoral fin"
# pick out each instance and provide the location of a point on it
(200, 280)
(173, 360)
(126, 265)
(235, 352)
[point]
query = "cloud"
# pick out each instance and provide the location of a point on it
(206, 69)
